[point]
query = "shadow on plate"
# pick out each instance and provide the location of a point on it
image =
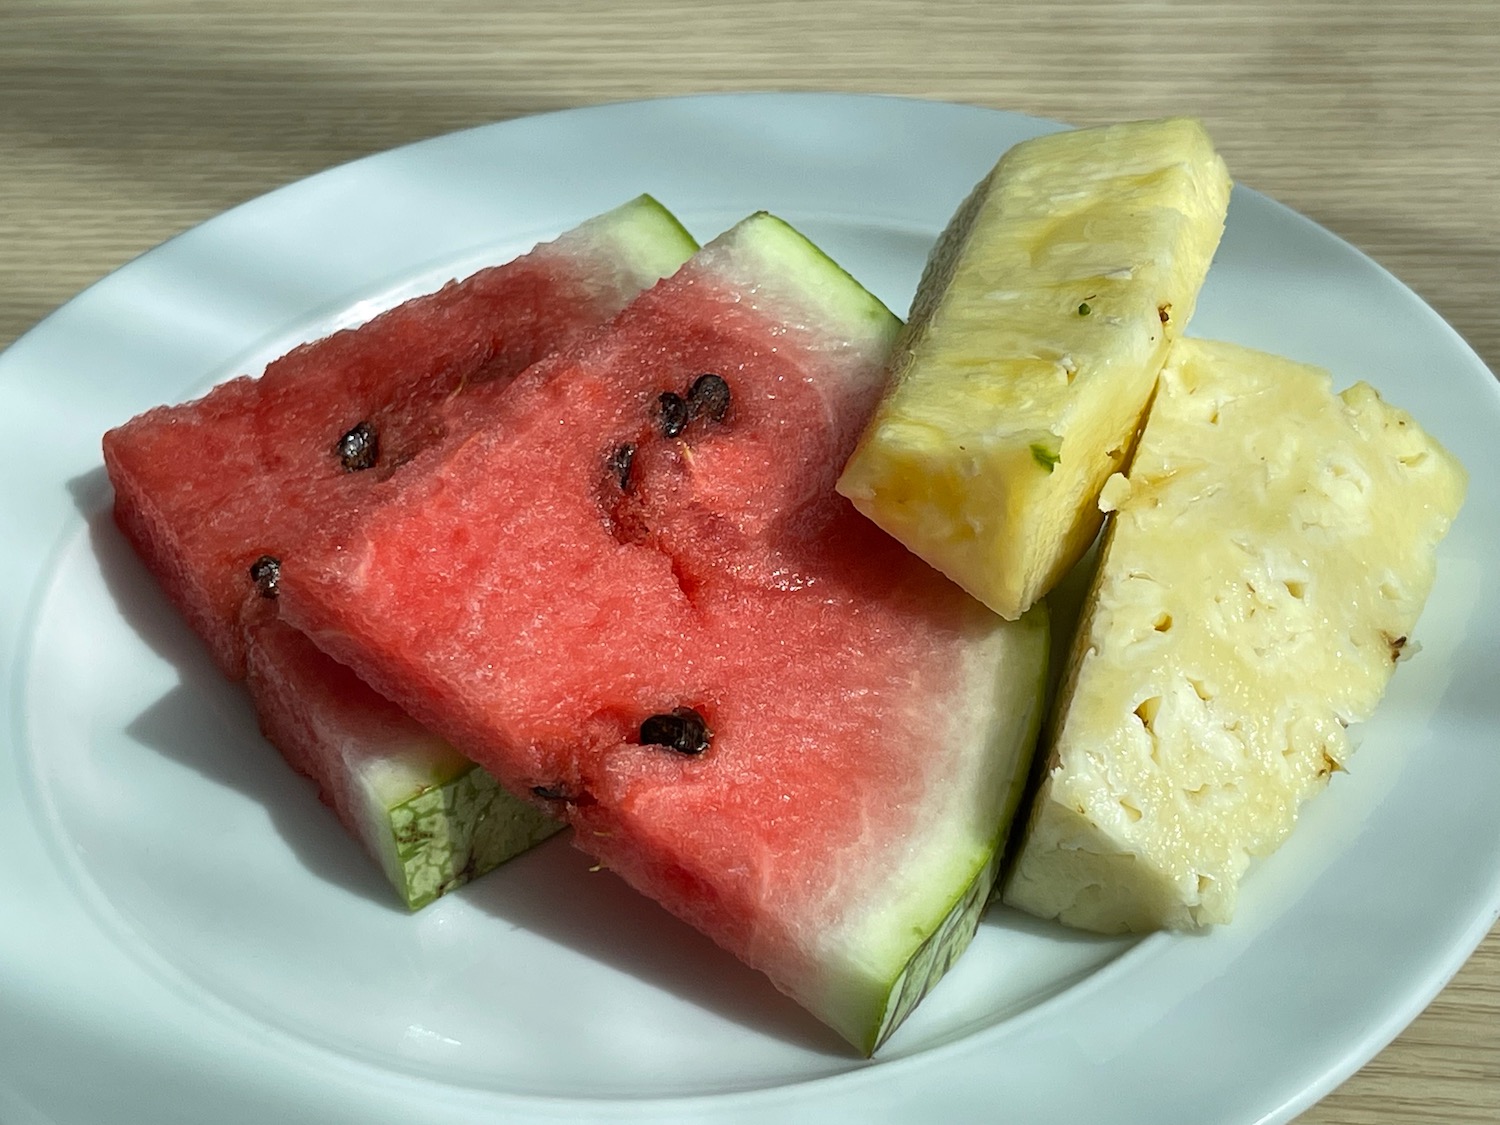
(555, 891)
(208, 723)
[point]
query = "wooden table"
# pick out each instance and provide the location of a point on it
(123, 122)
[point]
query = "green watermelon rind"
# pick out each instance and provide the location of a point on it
(440, 834)
(933, 942)
(642, 233)
(935, 956)
(779, 267)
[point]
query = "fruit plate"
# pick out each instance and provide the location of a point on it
(189, 935)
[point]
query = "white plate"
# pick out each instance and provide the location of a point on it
(187, 936)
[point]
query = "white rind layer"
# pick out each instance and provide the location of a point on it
(935, 885)
(777, 270)
(632, 247)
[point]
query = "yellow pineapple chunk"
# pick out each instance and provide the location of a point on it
(1036, 336)
(1265, 564)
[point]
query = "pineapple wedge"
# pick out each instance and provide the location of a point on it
(1038, 330)
(1266, 562)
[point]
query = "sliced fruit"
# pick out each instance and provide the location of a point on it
(637, 597)
(219, 494)
(1034, 342)
(1262, 573)
(207, 490)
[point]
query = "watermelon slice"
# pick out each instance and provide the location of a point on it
(208, 490)
(205, 489)
(430, 817)
(638, 598)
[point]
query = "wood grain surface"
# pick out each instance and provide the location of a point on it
(124, 122)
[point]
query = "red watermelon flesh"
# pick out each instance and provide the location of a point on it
(538, 596)
(204, 489)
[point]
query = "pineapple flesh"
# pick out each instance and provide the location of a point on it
(1036, 336)
(1266, 562)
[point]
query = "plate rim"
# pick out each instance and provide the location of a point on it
(1356, 1054)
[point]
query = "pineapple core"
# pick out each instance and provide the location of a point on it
(1265, 564)
(1032, 347)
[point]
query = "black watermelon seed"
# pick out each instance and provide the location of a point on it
(265, 572)
(359, 448)
(671, 414)
(709, 397)
(619, 464)
(683, 730)
(550, 792)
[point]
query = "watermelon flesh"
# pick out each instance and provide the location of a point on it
(430, 817)
(564, 591)
(204, 490)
